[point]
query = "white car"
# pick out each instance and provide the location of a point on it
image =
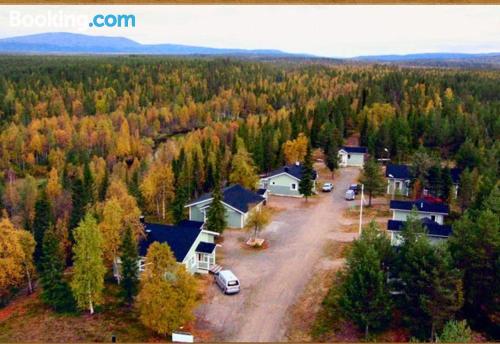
(327, 187)
(227, 282)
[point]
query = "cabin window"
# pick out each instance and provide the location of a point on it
(348, 156)
(294, 186)
(433, 217)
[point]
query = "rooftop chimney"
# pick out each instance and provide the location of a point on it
(141, 219)
(297, 163)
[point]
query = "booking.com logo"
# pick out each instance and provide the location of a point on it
(112, 20)
(62, 19)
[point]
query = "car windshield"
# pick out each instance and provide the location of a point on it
(232, 283)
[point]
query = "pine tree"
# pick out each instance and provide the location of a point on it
(332, 156)
(307, 179)
(129, 266)
(373, 180)
(447, 184)
(456, 332)
(216, 216)
(79, 205)
(41, 223)
(365, 297)
(103, 188)
(88, 184)
(475, 247)
(180, 200)
(55, 290)
(88, 278)
(431, 287)
(467, 190)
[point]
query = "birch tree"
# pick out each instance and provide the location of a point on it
(88, 278)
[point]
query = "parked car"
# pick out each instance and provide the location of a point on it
(350, 195)
(227, 282)
(356, 188)
(327, 187)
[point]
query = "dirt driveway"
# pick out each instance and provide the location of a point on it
(273, 279)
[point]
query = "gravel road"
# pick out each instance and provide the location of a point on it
(273, 279)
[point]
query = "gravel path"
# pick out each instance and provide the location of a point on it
(273, 279)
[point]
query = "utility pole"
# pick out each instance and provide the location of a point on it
(361, 208)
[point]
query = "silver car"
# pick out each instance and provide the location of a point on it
(350, 195)
(327, 187)
(227, 282)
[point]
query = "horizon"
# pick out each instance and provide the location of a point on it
(329, 31)
(493, 53)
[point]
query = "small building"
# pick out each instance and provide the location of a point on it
(237, 202)
(435, 232)
(352, 156)
(191, 245)
(285, 181)
(398, 179)
(425, 209)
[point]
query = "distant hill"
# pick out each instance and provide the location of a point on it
(60, 43)
(423, 56)
(462, 60)
(70, 43)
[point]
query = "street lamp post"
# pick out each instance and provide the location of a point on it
(393, 186)
(361, 208)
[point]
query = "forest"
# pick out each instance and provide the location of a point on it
(88, 144)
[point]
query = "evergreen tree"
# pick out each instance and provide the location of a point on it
(129, 266)
(41, 223)
(467, 190)
(447, 184)
(79, 205)
(431, 286)
(307, 179)
(88, 277)
(475, 247)
(456, 332)
(373, 180)
(88, 184)
(365, 297)
(180, 200)
(55, 290)
(216, 216)
(65, 179)
(103, 188)
(134, 189)
(332, 156)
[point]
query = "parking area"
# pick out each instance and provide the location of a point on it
(273, 278)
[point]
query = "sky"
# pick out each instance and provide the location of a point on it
(322, 30)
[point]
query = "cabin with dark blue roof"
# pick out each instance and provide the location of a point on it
(435, 211)
(352, 156)
(435, 232)
(237, 201)
(285, 180)
(190, 243)
(398, 179)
